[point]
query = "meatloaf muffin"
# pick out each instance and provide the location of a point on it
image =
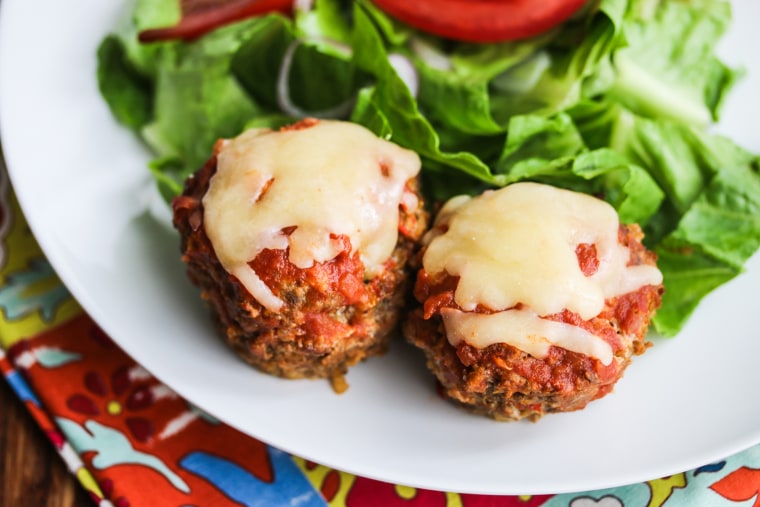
(532, 300)
(299, 240)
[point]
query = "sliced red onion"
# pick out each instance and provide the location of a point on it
(525, 75)
(303, 5)
(406, 71)
(284, 100)
(432, 56)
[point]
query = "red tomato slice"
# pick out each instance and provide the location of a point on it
(482, 20)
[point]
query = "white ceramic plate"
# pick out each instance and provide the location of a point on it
(84, 188)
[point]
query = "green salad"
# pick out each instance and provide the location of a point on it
(617, 102)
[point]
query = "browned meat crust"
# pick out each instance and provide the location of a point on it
(505, 383)
(333, 317)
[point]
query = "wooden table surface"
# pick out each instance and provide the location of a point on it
(31, 472)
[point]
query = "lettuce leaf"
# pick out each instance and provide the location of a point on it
(713, 240)
(128, 93)
(668, 68)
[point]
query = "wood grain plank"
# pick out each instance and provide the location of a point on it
(31, 472)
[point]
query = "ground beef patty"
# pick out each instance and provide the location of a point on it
(507, 383)
(332, 314)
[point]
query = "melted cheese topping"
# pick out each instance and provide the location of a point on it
(518, 245)
(524, 330)
(330, 179)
